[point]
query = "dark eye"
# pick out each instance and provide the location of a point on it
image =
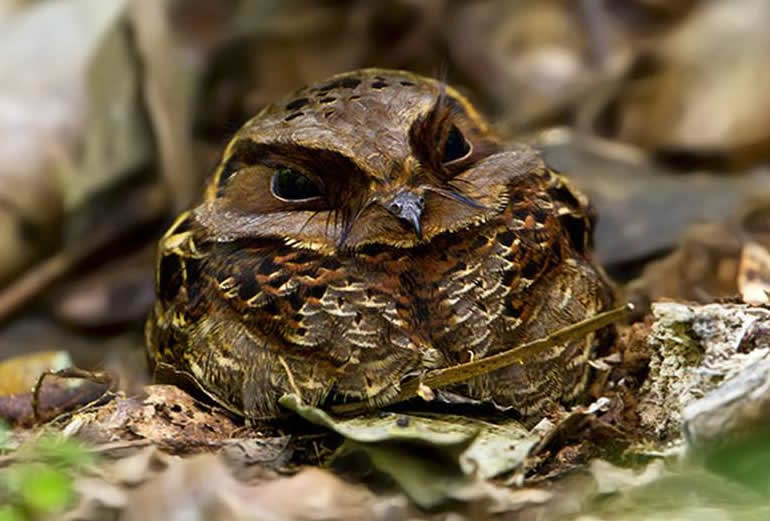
(290, 185)
(455, 147)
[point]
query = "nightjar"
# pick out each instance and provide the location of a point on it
(363, 231)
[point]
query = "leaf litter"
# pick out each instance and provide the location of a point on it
(678, 419)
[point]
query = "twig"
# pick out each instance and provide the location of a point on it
(463, 372)
(69, 372)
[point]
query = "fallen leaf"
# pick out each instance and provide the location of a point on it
(165, 415)
(645, 209)
(610, 478)
(71, 120)
(459, 452)
(203, 487)
(754, 274)
(21, 373)
(699, 89)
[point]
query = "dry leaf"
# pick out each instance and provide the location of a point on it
(611, 479)
(169, 87)
(426, 393)
(754, 274)
(645, 209)
(396, 444)
(550, 53)
(71, 123)
(20, 374)
(700, 89)
(203, 487)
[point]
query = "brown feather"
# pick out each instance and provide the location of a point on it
(337, 297)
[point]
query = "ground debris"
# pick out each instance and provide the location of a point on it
(754, 274)
(703, 65)
(19, 376)
(738, 408)
(656, 109)
(693, 349)
(433, 459)
(674, 492)
(165, 416)
(154, 486)
(721, 258)
(163, 452)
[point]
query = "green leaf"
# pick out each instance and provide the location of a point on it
(45, 489)
(62, 451)
(5, 436)
(10, 513)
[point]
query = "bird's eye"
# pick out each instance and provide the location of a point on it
(290, 185)
(456, 146)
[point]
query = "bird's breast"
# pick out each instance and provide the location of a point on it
(455, 293)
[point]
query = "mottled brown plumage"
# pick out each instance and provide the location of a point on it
(366, 230)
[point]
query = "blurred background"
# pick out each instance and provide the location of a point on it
(114, 112)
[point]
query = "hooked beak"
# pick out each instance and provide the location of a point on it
(408, 206)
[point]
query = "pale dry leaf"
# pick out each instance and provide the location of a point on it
(169, 85)
(611, 478)
(754, 274)
(71, 120)
(134, 469)
(699, 88)
(311, 495)
(199, 486)
(20, 374)
(203, 487)
(101, 492)
(425, 392)
(474, 451)
(549, 52)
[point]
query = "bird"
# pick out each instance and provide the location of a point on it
(363, 231)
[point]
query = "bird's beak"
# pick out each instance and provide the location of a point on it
(408, 206)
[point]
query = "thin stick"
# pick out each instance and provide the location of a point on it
(462, 372)
(99, 377)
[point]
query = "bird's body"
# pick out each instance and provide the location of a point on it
(370, 229)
